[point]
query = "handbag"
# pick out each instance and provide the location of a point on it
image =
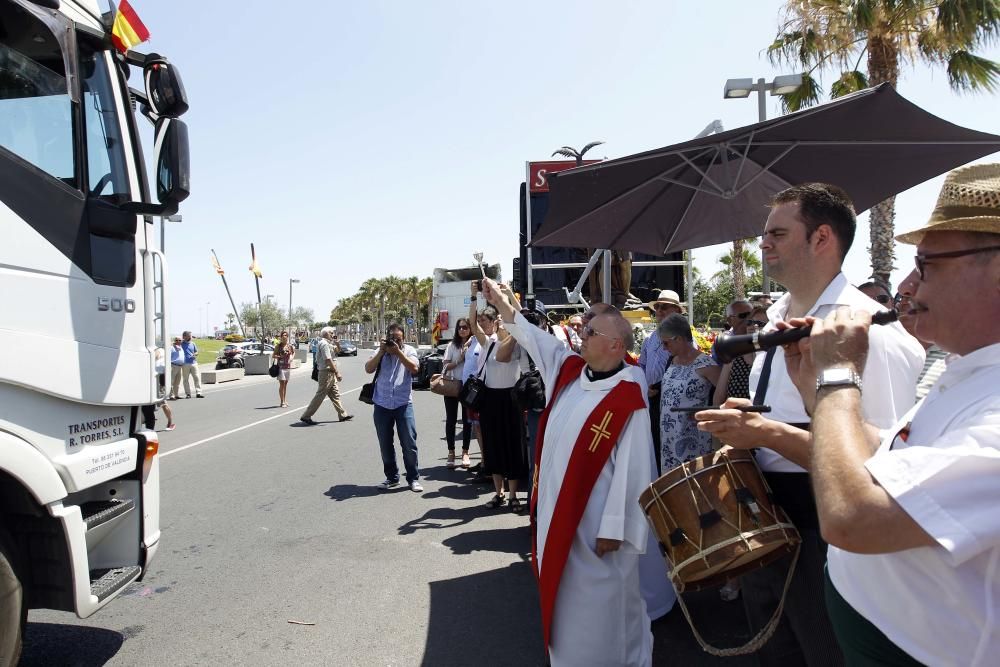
(529, 390)
(443, 386)
(474, 390)
(315, 373)
(273, 370)
(367, 394)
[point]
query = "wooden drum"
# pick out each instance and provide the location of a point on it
(716, 520)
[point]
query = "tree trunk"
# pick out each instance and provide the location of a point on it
(738, 270)
(883, 67)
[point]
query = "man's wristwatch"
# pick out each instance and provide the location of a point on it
(473, 298)
(837, 377)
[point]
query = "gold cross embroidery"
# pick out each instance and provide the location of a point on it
(600, 431)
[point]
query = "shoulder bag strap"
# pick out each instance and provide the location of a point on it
(765, 378)
(482, 371)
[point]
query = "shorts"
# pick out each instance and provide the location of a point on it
(472, 416)
(284, 374)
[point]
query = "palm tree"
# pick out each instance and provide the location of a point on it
(838, 34)
(570, 152)
(742, 270)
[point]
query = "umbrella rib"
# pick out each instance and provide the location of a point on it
(704, 175)
(743, 161)
(766, 169)
(677, 227)
(658, 177)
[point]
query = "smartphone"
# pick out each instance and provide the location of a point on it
(478, 284)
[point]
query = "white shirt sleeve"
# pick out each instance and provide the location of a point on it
(952, 488)
(545, 350)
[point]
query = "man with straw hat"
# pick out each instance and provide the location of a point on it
(914, 531)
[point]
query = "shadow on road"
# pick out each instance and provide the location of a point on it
(506, 540)
(444, 517)
(486, 618)
(721, 624)
(347, 491)
(57, 644)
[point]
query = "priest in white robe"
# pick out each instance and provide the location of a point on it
(599, 617)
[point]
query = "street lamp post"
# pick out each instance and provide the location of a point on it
(207, 304)
(740, 88)
(290, 281)
(177, 217)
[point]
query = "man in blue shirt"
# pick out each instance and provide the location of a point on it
(176, 367)
(396, 364)
(191, 366)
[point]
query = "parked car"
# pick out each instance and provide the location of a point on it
(347, 349)
(231, 356)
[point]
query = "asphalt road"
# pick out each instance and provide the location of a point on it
(277, 549)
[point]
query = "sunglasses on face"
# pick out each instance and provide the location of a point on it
(883, 298)
(463, 326)
(921, 260)
(591, 331)
(756, 323)
(742, 316)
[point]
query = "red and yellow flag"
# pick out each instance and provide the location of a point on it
(128, 31)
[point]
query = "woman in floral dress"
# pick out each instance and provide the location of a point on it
(687, 381)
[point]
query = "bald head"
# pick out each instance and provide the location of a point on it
(598, 309)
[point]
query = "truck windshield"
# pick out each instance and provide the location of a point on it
(107, 174)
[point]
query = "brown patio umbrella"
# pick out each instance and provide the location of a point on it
(873, 143)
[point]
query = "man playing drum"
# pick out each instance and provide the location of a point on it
(809, 230)
(914, 531)
(592, 462)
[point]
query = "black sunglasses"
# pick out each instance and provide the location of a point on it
(742, 316)
(756, 323)
(883, 298)
(921, 260)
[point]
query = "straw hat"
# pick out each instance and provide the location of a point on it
(667, 296)
(969, 202)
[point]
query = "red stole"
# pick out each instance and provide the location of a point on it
(591, 451)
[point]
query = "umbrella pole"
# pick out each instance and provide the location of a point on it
(606, 278)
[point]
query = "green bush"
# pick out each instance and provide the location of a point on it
(234, 338)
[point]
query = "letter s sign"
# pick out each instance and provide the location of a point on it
(540, 178)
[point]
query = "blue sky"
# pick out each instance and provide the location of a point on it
(351, 140)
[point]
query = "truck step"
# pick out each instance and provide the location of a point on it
(100, 512)
(105, 583)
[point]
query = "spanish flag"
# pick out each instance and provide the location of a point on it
(128, 31)
(436, 333)
(215, 263)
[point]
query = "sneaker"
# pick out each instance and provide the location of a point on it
(307, 420)
(416, 487)
(170, 427)
(188, 396)
(346, 418)
(387, 484)
(199, 396)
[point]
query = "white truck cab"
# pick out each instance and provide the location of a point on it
(81, 306)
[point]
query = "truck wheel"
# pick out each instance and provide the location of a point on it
(13, 607)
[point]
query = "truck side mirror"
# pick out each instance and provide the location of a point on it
(164, 88)
(173, 163)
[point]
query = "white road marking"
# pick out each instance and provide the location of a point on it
(244, 427)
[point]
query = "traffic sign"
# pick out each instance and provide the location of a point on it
(409, 320)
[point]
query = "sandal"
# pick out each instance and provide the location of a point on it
(451, 459)
(516, 507)
(465, 460)
(497, 502)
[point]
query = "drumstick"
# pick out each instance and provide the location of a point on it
(741, 408)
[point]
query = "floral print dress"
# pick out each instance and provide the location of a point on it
(680, 439)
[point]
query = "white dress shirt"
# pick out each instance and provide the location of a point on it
(940, 604)
(895, 359)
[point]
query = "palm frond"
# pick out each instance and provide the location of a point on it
(804, 96)
(970, 73)
(592, 144)
(968, 24)
(849, 82)
(566, 151)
